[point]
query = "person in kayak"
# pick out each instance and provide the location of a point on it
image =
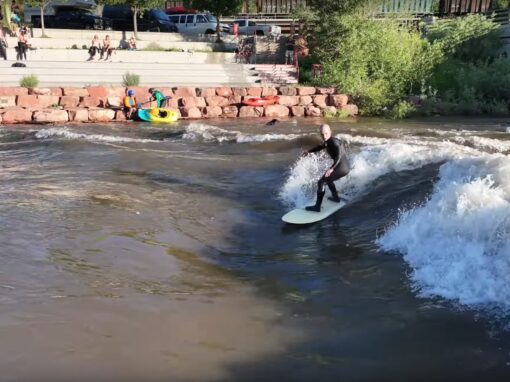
(159, 97)
(338, 169)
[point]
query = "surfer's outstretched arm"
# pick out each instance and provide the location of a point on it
(318, 148)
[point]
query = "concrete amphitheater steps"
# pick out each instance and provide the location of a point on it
(59, 73)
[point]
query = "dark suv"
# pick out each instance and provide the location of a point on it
(73, 18)
(152, 20)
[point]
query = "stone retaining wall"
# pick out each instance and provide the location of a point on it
(104, 104)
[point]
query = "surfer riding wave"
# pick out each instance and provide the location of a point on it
(338, 169)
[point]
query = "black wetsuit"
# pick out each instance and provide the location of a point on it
(340, 167)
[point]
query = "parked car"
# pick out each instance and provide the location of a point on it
(153, 20)
(249, 27)
(204, 23)
(72, 18)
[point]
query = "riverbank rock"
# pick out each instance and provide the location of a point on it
(101, 92)
(305, 100)
(27, 101)
(269, 92)
(114, 102)
(287, 91)
(298, 111)
(78, 115)
(217, 101)
(191, 112)
(120, 116)
(101, 115)
(92, 102)
(288, 100)
(77, 92)
(306, 91)
(184, 92)
(241, 92)
(338, 100)
(212, 111)
(312, 111)
(206, 92)
(7, 101)
(328, 90)
(40, 91)
(189, 102)
(251, 112)
(320, 101)
(230, 112)
(278, 111)
(224, 92)
(45, 101)
(69, 101)
(17, 116)
(254, 92)
(351, 109)
(51, 116)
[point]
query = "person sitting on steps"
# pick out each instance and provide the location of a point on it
(132, 43)
(338, 169)
(95, 47)
(130, 104)
(107, 48)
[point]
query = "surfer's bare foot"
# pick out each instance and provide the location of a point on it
(313, 208)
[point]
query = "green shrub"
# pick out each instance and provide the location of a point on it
(30, 81)
(379, 62)
(403, 109)
(472, 38)
(130, 79)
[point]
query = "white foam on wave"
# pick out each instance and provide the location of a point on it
(497, 145)
(458, 242)
(200, 131)
(377, 157)
(64, 132)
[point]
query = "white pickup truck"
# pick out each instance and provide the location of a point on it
(249, 27)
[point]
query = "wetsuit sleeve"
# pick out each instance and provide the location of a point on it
(317, 148)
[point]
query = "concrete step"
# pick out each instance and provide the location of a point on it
(73, 34)
(81, 55)
(58, 73)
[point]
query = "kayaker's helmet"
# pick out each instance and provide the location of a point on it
(130, 92)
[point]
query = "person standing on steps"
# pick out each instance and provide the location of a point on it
(338, 169)
(3, 44)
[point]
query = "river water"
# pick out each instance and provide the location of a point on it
(138, 253)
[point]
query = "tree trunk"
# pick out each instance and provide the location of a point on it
(135, 25)
(218, 35)
(42, 19)
(6, 11)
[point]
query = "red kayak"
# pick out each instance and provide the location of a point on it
(264, 101)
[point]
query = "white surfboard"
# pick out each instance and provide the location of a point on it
(302, 216)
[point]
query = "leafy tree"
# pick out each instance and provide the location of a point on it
(42, 4)
(137, 6)
(218, 8)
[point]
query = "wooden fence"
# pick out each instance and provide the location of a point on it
(262, 6)
(459, 7)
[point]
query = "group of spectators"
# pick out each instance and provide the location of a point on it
(105, 48)
(21, 48)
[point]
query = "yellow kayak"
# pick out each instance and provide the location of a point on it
(158, 115)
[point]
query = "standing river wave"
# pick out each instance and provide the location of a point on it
(157, 253)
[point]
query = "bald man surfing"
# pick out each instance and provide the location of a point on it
(338, 169)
